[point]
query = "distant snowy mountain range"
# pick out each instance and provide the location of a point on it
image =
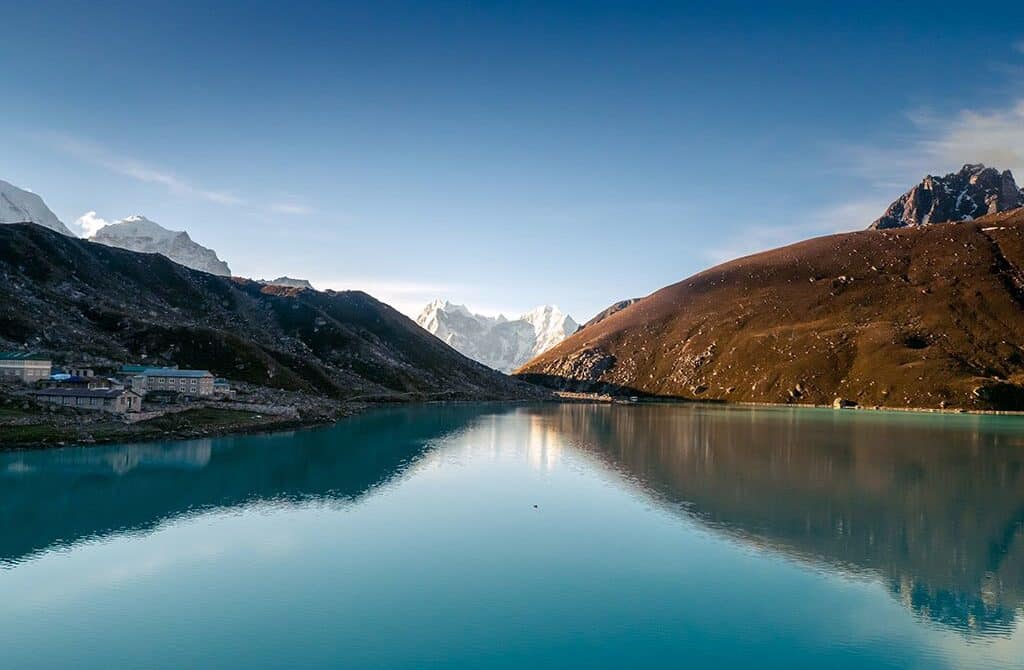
(136, 233)
(497, 342)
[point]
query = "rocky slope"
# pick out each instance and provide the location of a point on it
(21, 206)
(927, 316)
(287, 281)
(137, 233)
(91, 303)
(974, 191)
(497, 342)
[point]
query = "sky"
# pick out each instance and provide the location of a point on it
(501, 155)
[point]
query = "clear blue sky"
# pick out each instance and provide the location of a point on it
(500, 154)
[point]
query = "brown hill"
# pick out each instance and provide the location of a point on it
(86, 302)
(925, 317)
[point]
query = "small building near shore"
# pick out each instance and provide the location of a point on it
(24, 366)
(185, 382)
(117, 401)
(222, 388)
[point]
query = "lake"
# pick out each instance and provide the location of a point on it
(505, 536)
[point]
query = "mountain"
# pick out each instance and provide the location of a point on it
(21, 206)
(496, 341)
(974, 191)
(608, 311)
(84, 302)
(137, 233)
(926, 316)
(286, 281)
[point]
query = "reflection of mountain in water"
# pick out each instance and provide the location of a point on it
(934, 504)
(62, 496)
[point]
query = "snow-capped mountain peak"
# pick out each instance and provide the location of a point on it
(501, 343)
(20, 206)
(550, 326)
(137, 233)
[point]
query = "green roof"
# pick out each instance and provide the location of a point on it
(151, 371)
(173, 372)
(22, 356)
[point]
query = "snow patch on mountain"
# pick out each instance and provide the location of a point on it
(137, 233)
(20, 206)
(497, 342)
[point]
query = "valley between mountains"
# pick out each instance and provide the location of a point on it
(923, 310)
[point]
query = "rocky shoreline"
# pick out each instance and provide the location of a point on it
(26, 424)
(228, 420)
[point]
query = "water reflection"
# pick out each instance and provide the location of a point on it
(59, 497)
(932, 504)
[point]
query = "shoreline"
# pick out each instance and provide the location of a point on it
(258, 425)
(139, 433)
(578, 397)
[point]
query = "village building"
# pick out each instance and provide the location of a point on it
(185, 382)
(24, 366)
(222, 387)
(72, 381)
(118, 401)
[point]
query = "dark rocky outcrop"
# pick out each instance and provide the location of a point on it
(608, 311)
(972, 192)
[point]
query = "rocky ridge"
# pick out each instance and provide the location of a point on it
(290, 282)
(137, 233)
(973, 191)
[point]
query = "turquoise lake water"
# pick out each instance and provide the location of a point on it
(500, 536)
